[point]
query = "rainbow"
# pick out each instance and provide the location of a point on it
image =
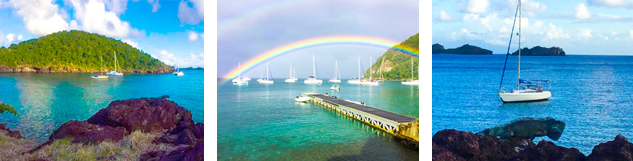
(316, 42)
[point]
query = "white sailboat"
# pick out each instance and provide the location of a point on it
(178, 72)
(526, 91)
(239, 81)
(267, 80)
(357, 79)
(114, 72)
(337, 75)
(291, 78)
(261, 76)
(411, 81)
(313, 79)
(370, 81)
(100, 76)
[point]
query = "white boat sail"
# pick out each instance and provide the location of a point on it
(337, 75)
(291, 78)
(526, 91)
(267, 80)
(370, 81)
(411, 81)
(357, 79)
(314, 78)
(100, 76)
(239, 81)
(114, 72)
(178, 72)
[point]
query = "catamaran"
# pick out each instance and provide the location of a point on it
(411, 81)
(357, 79)
(313, 79)
(337, 75)
(102, 76)
(114, 72)
(370, 81)
(239, 81)
(291, 78)
(267, 80)
(178, 72)
(526, 90)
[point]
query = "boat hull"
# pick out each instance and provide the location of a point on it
(335, 80)
(266, 82)
(353, 81)
(414, 83)
(313, 81)
(525, 97)
(290, 80)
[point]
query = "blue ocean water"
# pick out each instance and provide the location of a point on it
(591, 94)
(263, 122)
(45, 101)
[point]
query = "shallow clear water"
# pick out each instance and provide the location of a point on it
(591, 94)
(263, 122)
(45, 101)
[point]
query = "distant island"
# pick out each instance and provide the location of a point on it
(77, 52)
(395, 65)
(192, 68)
(464, 49)
(541, 51)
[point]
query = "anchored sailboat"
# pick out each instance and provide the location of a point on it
(526, 90)
(357, 79)
(267, 80)
(100, 76)
(337, 75)
(178, 72)
(291, 78)
(411, 81)
(314, 78)
(370, 81)
(239, 81)
(114, 72)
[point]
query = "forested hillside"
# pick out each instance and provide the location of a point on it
(395, 65)
(77, 51)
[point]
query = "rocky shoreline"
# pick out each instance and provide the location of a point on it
(5, 69)
(457, 145)
(138, 129)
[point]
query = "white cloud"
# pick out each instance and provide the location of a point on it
(584, 34)
(475, 6)
(94, 17)
(631, 34)
(13, 38)
(187, 61)
(130, 42)
(611, 3)
(582, 12)
(555, 33)
(193, 36)
(116, 6)
(191, 15)
(538, 24)
(444, 16)
(528, 7)
(41, 17)
(10, 37)
(155, 5)
(19, 37)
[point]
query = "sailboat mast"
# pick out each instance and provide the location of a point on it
(336, 68)
(313, 67)
(519, 57)
(358, 68)
(115, 61)
(370, 69)
(266, 71)
(290, 74)
(411, 69)
(239, 68)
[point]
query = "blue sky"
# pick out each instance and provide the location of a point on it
(591, 27)
(172, 31)
(247, 28)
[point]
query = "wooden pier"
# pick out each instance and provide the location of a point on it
(404, 128)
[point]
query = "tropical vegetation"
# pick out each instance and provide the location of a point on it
(395, 65)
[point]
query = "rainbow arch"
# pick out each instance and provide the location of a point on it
(316, 42)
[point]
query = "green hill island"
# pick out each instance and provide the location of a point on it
(77, 52)
(395, 65)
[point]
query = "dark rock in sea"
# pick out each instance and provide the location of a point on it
(187, 135)
(186, 153)
(84, 132)
(541, 51)
(457, 145)
(618, 149)
(146, 114)
(464, 49)
(10, 133)
(546, 150)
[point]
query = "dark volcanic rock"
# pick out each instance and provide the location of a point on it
(183, 135)
(11, 133)
(457, 145)
(144, 114)
(84, 132)
(618, 149)
(546, 150)
(464, 49)
(541, 51)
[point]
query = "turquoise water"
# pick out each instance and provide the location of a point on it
(45, 101)
(591, 94)
(263, 122)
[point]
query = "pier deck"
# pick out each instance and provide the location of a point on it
(401, 126)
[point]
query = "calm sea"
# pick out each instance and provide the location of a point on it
(591, 94)
(263, 122)
(45, 101)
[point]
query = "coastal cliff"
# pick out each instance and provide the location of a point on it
(395, 65)
(540, 51)
(77, 52)
(464, 49)
(452, 144)
(134, 129)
